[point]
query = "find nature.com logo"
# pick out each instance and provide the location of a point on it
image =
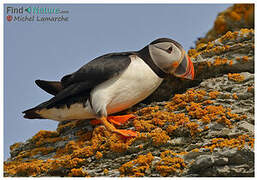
(36, 13)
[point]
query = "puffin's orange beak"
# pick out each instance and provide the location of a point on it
(185, 69)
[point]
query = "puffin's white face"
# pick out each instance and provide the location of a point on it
(169, 57)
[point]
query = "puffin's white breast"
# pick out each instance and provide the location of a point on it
(132, 86)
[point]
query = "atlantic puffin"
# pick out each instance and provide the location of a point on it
(112, 83)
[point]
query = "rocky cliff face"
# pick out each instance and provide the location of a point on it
(203, 127)
(234, 18)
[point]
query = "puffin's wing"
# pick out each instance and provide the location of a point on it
(90, 75)
(52, 87)
(99, 69)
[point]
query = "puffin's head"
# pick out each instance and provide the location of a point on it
(171, 58)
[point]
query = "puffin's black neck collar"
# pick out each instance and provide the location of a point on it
(145, 56)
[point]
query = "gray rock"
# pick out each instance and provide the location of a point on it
(193, 155)
(223, 170)
(246, 126)
(220, 161)
(202, 162)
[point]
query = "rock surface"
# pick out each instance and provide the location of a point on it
(207, 130)
(234, 18)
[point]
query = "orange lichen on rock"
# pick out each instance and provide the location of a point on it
(151, 119)
(228, 36)
(250, 89)
(225, 120)
(78, 172)
(214, 94)
(230, 63)
(206, 102)
(237, 16)
(106, 171)
(235, 96)
(105, 140)
(62, 127)
(238, 142)
(171, 128)
(216, 110)
(216, 50)
(192, 53)
(42, 134)
(137, 167)
(159, 137)
(118, 144)
(143, 125)
(193, 128)
(69, 147)
(84, 135)
(206, 119)
(243, 10)
(238, 58)
(236, 77)
(201, 46)
(98, 155)
(180, 100)
(206, 127)
(195, 110)
(14, 146)
(219, 45)
(73, 155)
(170, 164)
(197, 107)
(45, 137)
(245, 58)
(23, 154)
(31, 168)
(147, 110)
(67, 162)
(179, 120)
(195, 150)
(220, 61)
(220, 25)
(207, 113)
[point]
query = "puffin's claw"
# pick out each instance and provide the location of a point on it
(95, 122)
(110, 127)
(116, 120)
(119, 120)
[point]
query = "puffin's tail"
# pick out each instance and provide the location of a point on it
(52, 87)
(31, 113)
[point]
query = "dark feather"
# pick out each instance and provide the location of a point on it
(31, 114)
(52, 87)
(89, 76)
(99, 69)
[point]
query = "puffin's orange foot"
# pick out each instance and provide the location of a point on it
(126, 133)
(95, 122)
(119, 120)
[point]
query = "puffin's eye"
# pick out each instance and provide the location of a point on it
(169, 50)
